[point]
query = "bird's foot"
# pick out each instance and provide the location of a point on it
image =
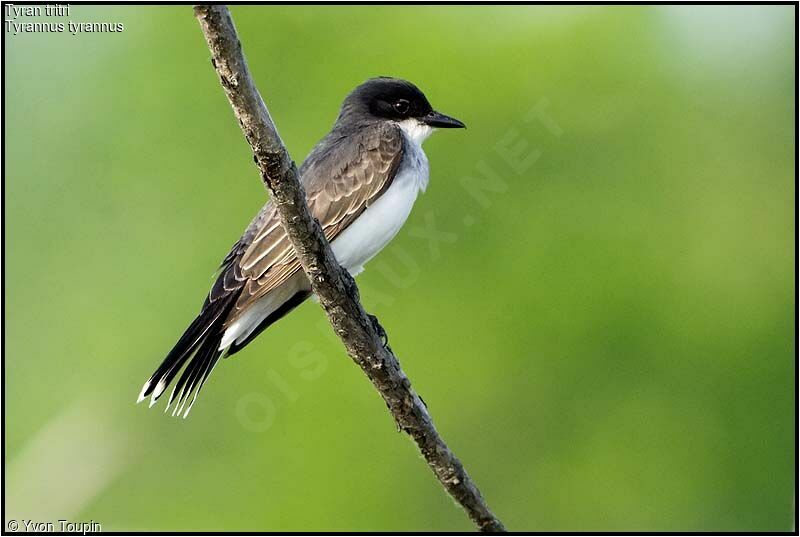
(379, 329)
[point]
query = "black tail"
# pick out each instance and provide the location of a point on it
(199, 344)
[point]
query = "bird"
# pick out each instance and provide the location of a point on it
(361, 181)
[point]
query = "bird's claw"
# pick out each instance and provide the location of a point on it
(379, 329)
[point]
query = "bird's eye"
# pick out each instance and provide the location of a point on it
(401, 106)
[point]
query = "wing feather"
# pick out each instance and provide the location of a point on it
(339, 187)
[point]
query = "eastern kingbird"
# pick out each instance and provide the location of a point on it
(361, 181)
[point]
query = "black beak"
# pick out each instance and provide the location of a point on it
(441, 121)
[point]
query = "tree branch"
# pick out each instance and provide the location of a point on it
(337, 292)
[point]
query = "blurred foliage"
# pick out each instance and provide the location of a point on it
(604, 336)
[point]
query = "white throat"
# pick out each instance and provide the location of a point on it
(416, 130)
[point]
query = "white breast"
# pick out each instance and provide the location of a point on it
(381, 221)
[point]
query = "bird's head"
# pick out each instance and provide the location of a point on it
(397, 100)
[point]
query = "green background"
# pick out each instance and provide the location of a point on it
(602, 328)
